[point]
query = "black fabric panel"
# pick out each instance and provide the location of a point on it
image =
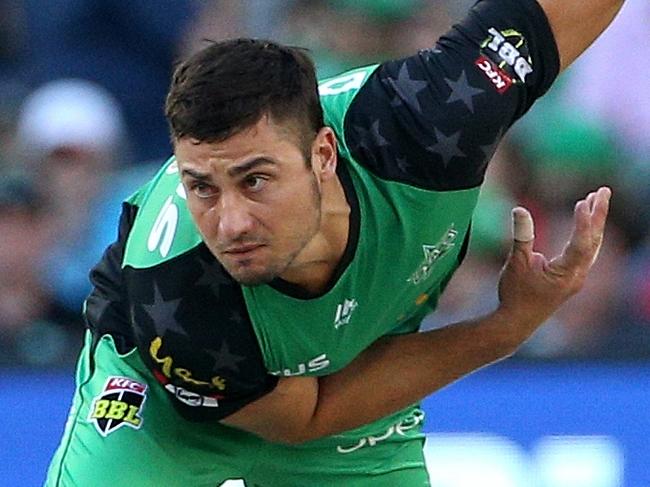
(106, 306)
(434, 120)
(193, 331)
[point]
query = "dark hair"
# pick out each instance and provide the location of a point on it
(229, 85)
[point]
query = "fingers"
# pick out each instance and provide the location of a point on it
(523, 228)
(523, 233)
(599, 210)
(589, 224)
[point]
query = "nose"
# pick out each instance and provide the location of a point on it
(235, 220)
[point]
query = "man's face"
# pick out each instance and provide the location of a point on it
(253, 198)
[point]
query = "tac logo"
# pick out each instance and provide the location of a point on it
(119, 404)
(505, 58)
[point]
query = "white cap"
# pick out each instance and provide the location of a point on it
(70, 112)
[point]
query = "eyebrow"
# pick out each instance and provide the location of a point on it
(195, 174)
(248, 165)
(232, 172)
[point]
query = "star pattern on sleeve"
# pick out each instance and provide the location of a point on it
(422, 121)
(489, 150)
(96, 306)
(407, 89)
(212, 276)
(446, 146)
(403, 164)
(371, 138)
(162, 314)
(461, 90)
(225, 359)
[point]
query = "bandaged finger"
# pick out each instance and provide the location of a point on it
(523, 229)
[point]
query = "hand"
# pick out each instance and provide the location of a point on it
(533, 287)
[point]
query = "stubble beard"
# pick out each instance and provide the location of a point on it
(247, 276)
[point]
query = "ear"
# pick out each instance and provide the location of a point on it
(324, 154)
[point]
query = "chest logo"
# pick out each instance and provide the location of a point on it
(433, 253)
(119, 404)
(344, 312)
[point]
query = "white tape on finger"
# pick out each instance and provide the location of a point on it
(523, 228)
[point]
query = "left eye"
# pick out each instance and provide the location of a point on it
(255, 183)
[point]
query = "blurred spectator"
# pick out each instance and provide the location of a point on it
(34, 330)
(227, 19)
(343, 34)
(72, 141)
(609, 83)
(630, 338)
(126, 47)
(69, 136)
(11, 38)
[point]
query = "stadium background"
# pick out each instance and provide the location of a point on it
(81, 126)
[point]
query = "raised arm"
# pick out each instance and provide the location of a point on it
(530, 290)
(577, 23)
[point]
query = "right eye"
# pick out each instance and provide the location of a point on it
(203, 190)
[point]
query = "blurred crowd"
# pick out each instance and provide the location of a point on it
(82, 85)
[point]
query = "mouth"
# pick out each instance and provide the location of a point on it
(242, 250)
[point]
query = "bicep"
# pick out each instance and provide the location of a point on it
(283, 415)
(576, 23)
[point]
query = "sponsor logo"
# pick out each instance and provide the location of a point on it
(505, 56)
(119, 404)
(344, 312)
(399, 429)
(314, 365)
(499, 77)
(170, 372)
(433, 253)
(193, 399)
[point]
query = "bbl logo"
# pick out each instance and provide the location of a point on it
(119, 404)
(505, 58)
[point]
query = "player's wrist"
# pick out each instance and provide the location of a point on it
(517, 323)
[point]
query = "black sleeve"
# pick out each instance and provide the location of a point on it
(106, 309)
(434, 119)
(188, 319)
(193, 331)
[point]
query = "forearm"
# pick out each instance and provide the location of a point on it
(577, 23)
(400, 370)
(391, 374)
(397, 371)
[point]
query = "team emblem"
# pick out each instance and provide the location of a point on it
(119, 404)
(432, 253)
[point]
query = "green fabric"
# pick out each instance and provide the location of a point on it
(409, 244)
(298, 337)
(171, 452)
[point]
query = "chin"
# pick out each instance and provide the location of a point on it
(248, 277)
(253, 281)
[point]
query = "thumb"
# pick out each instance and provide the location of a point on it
(523, 230)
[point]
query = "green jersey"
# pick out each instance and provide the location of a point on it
(415, 136)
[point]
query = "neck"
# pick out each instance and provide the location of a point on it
(314, 267)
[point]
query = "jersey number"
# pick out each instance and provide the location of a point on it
(348, 82)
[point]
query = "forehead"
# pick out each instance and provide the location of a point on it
(264, 139)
